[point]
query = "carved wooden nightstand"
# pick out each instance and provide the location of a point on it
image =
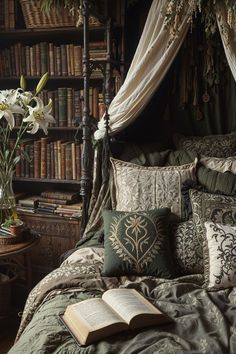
(57, 235)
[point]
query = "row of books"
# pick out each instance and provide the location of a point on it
(68, 104)
(7, 14)
(50, 159)
(62, 203)
(35, 60)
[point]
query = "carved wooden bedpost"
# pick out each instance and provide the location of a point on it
(108, 95)
(87, 155)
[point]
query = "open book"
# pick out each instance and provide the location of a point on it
(118, 310)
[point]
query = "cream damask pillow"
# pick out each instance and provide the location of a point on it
(143, 188)
(220, 164)
(219, 255)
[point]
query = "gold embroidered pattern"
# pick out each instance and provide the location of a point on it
(138, 247)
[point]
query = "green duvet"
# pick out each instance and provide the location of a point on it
(204, 322)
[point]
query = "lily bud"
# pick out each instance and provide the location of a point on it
(42, 83)
(22, 83)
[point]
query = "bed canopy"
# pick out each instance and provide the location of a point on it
(156, 51)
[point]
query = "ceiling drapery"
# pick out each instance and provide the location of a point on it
(154, 55)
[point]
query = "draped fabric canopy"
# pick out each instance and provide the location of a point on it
(153, 57)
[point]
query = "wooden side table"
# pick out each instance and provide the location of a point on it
(22, 248)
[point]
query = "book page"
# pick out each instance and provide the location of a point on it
(128, 303)
(94, 313)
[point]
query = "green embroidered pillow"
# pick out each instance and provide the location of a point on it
(137, 243)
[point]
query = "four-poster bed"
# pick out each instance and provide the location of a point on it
(188, 268)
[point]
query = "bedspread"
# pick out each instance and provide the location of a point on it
(204, 322)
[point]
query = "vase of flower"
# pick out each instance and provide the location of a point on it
(32, 114)
(7, 198)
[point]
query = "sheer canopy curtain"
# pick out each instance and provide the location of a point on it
(228, 41)
(153, 57)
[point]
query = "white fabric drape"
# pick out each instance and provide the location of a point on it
(153, 57)
(229, 43)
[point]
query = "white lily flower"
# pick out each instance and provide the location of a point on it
(39, 116)
(24, 97)
(8, 106)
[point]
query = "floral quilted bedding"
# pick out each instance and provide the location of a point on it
(204, 321)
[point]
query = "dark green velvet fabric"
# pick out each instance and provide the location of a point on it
(137, 243)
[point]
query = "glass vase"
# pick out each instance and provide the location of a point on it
(7, 198)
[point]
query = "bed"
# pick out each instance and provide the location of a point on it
(191, 277)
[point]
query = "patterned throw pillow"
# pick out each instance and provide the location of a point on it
(186, 249)
(144, 188)
(137, 243)
(212, 207)
(220, 164)
(210, 145)
(219, 256)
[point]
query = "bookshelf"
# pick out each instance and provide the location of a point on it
(56, 159)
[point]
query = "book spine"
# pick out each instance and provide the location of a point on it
(32, 64)
(55, 159)
(73, 161)
(62, 106)
(37, 59)
(78, 60)
(2, 19)
(23, 60)
(63, 158)
(72, 62)
(11, 9)
(13, 61)
(68, 160)
(63, 60)
(68, 61)
(70, 105)
(51, 59)
(48, 161)
(43, 167)
(27, 57)
(58, 61)
(59, 158)
(37, 158)
(6, 14)
(43, 57)
(78, 161)
(52, 160)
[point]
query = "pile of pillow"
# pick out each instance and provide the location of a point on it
(146, 233)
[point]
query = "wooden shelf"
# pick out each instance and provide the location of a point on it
(94, 76)
(45, 180)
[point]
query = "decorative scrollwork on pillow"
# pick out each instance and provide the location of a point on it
(219, 255)
(144, 188)
(219, 145)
